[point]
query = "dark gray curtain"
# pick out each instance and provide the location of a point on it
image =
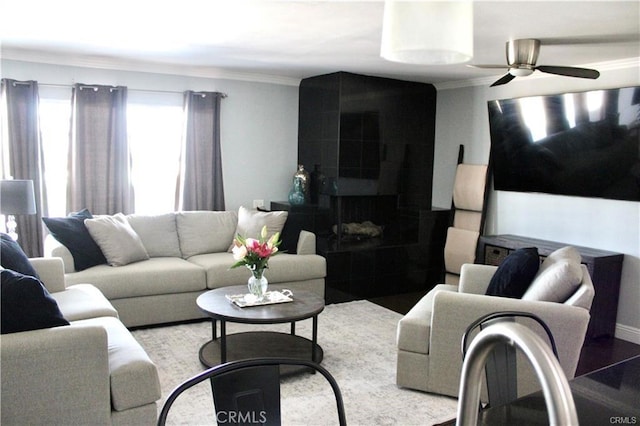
(26, 160)
(200, 186)
(99, 158)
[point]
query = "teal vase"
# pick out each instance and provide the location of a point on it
(296, 195)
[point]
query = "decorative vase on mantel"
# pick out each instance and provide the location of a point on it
(257, 283)
(303, 177)
(296, 195)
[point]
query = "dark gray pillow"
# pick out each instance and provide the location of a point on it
(12, 257)
(26, 304)
(73, 234)
(515, 274)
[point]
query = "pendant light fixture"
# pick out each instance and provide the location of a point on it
(427, 32)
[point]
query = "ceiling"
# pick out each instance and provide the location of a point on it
(290, 40)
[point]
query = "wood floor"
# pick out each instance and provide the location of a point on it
(595, 355)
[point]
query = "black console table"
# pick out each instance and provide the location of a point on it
(605, 269)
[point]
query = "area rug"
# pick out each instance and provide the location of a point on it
(358, 339)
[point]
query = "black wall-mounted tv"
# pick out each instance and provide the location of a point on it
(583, 144)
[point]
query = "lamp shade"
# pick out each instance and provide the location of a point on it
(427, 32)
(16, 197)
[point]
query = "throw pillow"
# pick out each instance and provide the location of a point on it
(515, 274)
(12, 257)
(117, 239)
(26, 304)
(558, 278)
(568, 253)
(73, 234)
(251, 222)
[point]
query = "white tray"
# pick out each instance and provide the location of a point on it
(270, 298)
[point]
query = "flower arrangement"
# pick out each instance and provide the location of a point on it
(255, 254)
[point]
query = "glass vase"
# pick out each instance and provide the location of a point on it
(258, 284)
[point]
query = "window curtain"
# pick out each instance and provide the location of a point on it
(99, 158)
(200, 186)
(23, 156)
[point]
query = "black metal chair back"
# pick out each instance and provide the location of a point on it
(248, 391)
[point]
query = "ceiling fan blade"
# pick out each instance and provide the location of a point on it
(569, 71)
(503, 80)
(488, 66)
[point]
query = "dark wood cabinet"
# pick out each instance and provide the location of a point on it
(605, 269)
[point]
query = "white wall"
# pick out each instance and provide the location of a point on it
(259, 123)
(462, 118)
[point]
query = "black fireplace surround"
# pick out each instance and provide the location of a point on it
(369, 142)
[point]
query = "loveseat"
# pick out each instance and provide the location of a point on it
(155, 275)
(90, 371)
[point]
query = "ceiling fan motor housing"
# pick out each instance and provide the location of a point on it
(522, 56)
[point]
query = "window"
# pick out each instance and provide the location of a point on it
(55, 119)
(155, 132)
(155, 126)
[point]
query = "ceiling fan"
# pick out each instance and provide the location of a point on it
(522, 55)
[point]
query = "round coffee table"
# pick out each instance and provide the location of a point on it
(255, 344)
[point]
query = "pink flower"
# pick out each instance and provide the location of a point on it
(253, 253)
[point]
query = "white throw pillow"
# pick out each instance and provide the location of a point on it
(558, 278)
(568, 253)
(251, 222)
(116, 238)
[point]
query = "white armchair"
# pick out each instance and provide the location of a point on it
(429, 337)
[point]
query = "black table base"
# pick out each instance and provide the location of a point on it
(260, 344)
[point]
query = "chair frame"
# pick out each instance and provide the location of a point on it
(235, 366)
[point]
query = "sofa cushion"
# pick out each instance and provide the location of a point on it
(134, 377)
(26, 304)
(205, 231)
(116, 238)
(12, 257)
(515, 273)
(83, 301)
(158, 233)
(251, 222)
(282, 268)
(158, 275)
(73, 234)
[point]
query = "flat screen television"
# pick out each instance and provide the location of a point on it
(582, 144)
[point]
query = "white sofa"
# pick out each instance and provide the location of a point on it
(188, 254)
(91, 372)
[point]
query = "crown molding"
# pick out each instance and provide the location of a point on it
(225, 74)
(485, 81)
(138, 66)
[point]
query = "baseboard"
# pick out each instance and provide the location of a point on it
(630, 334)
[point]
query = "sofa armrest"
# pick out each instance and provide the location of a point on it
(454, 312)
(54, 248)
(306, 243)
(57, 375)
(51, 272)
(474, 278)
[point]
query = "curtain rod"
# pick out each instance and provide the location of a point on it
(224, 95)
